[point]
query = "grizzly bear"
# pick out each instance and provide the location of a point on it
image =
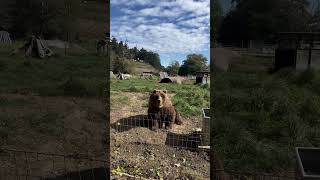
(161, 111)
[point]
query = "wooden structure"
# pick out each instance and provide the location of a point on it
(147, 74)
(103, 45)
(163, 75)
(289, 44)
(5, 37)
(203, 77)
(206, 126)
(111, 74)
(35, 47)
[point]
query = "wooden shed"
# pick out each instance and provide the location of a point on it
(297, 50)
(147, 74)
(203, 77)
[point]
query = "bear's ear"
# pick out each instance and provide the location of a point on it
(165, 91)
(154, 91)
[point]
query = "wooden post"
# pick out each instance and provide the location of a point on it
(297, 43)
(67, 11)
(310, 54)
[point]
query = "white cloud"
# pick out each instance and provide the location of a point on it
(154, 11)
(167, 26)
(127, 11)
(196, 22)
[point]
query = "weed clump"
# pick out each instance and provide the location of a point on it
(74, 87)
(260, 118)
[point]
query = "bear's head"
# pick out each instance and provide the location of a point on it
(158, 98)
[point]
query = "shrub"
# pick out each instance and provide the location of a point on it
(73, 87)
(305, 77)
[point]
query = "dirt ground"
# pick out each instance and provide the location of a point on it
(78, 131)
(138, 151)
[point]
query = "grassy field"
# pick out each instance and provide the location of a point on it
(41, 99)
(188, 99)
(55, 105)
(130, 140)
(77, 74)
(259, 118)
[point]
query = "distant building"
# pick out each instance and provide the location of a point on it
(147, 74)
(163, 75)
(5, 37)
(203, 77)
(298, 50)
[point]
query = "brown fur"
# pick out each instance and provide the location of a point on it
(162, 111)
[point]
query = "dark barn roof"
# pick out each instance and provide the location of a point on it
(166, 80)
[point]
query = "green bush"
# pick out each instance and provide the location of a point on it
(260, 118)
(305, 77)
(7, 126)
(47, 124)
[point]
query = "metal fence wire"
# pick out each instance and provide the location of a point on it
(236, 175)
(29, 165)
(218, 172)
(192, 138)
(151, 141)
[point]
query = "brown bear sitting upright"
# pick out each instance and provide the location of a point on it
(162, 111)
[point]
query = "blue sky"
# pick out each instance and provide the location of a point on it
(172, 28)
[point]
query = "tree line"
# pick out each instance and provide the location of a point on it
(260, 20)
(46, 18)
(121, 54)
(192, 64)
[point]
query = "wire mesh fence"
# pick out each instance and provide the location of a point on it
(17, 164)
(237, 175)
(154, 145)
(177, 135)
(53, 137)
(219, 172)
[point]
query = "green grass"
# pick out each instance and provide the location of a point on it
(189, 98)
(7, 126)
(49, 123)
(5, 102)
(260, 118)
(51, 77)
(46, 124)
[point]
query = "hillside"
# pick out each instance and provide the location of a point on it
(139, 67)
(133, 67)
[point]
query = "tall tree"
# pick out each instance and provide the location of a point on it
(193, 64)
(173, 68)
(315, 15)
(216, 20)
(122, 51)
(253, 19)
(114, 43)
(134, 51)
(42, 17)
